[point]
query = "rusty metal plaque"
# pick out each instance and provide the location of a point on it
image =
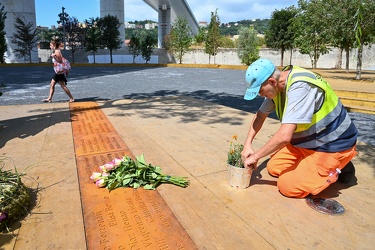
(92, 131)
(127, 218)
(124, 218)
(97, 144)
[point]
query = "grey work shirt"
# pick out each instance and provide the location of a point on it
(303, 100)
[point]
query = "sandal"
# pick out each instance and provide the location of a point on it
(46, 100)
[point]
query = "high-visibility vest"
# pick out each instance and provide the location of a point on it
(331, 129)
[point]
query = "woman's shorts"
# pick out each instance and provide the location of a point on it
(59, 78)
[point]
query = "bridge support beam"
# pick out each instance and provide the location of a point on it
(114, 8)
(24, 9)
(164, 24)
(168, 11)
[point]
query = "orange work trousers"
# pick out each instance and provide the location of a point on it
(302, 171)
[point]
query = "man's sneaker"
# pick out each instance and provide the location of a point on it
(347, 173)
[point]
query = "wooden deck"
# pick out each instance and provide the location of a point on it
(186, 137)
(191, 138)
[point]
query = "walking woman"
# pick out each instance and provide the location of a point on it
(58, 77)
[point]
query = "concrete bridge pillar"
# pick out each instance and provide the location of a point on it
(114, 8)
(24, 9)
(164, 24)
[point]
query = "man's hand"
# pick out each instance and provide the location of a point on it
(246, 152)
(251, 162)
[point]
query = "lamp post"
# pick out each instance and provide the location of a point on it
(63, 18)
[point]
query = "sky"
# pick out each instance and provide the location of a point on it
(227, 10)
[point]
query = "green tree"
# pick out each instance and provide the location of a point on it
(248, 49)
(180, 38)
(227, 42)
(134, 47)
(279, 35)
(130, 32)
(25, 38)
(213, 36)
(75, 36)
(341, 13)
(312, 36)
(200, 37)
(45, 36)
(3, 43)
(232, 28)
(148, 42)
(364, 29)
(92, 35)
(109, 26)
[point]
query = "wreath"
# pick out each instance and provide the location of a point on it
(14, 196)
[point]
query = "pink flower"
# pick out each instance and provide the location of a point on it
(100, 183)
(3, 216)
(107, 167)
(95, 176)
(117, 162)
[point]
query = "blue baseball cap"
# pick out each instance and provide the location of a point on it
(256, 74)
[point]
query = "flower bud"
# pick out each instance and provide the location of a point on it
(107, 167)
(95, 176)
(117, 162)
(100, 183)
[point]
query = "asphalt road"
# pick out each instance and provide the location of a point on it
(29, 85)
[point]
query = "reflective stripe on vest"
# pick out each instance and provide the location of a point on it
(327, 124)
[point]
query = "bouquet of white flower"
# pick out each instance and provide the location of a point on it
(127, 172)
